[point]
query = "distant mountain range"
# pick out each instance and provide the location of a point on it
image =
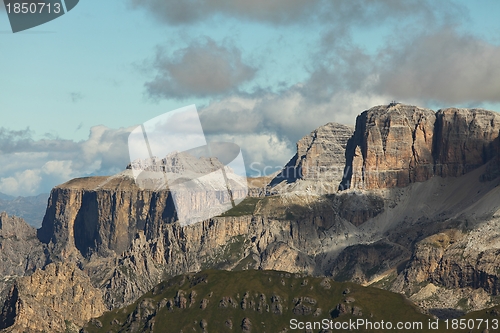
(4, 196)
(31, 209)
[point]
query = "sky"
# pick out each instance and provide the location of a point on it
(262, 74)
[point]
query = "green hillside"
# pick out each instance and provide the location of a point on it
(258, 301)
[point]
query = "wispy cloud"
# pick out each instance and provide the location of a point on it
(287, 12)
(185, 12)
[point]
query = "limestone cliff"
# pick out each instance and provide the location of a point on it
(320, 156)
(59, 298)
(464, 140)
(459, 265)
(100, 216)
(396, 145)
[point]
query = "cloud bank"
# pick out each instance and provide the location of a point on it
(444, 66)
(287, 12)
(33, 166)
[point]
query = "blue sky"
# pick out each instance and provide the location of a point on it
(262, 74)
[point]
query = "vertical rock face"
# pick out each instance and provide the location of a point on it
(465, 140)
(101, 216)
(50, 300)
(396, 145)
(320, 155)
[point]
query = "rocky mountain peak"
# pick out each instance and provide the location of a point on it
(397, 144)
(11, 226)
(320, 156)
(392, 145)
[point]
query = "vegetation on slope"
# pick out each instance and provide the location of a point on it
(253, 301)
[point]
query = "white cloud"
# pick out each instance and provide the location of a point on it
(287, 116)
(35, 166)
(21, 183)
(61, 169)
(266, 127)
(263, 153)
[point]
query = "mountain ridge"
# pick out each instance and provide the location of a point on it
(31, 208)
(127, 240)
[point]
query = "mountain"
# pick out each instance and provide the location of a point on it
(415, 210)
(273, 301)
(254, 301)
(21, 253)
(59, 298)
(320, 157)
(4, 196)
(31, 209)
(396, 145)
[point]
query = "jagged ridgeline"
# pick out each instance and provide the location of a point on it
(417, 212)
(253, 301)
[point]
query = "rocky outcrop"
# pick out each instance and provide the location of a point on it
(361, 263)
(21, 252)
(320, 156)
(454, 263)
(464, 140)
(396, 145)
(56, 299)
(258, 186)
(131, 274)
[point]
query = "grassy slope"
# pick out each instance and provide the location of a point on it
(246, 207)
(376, 304)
